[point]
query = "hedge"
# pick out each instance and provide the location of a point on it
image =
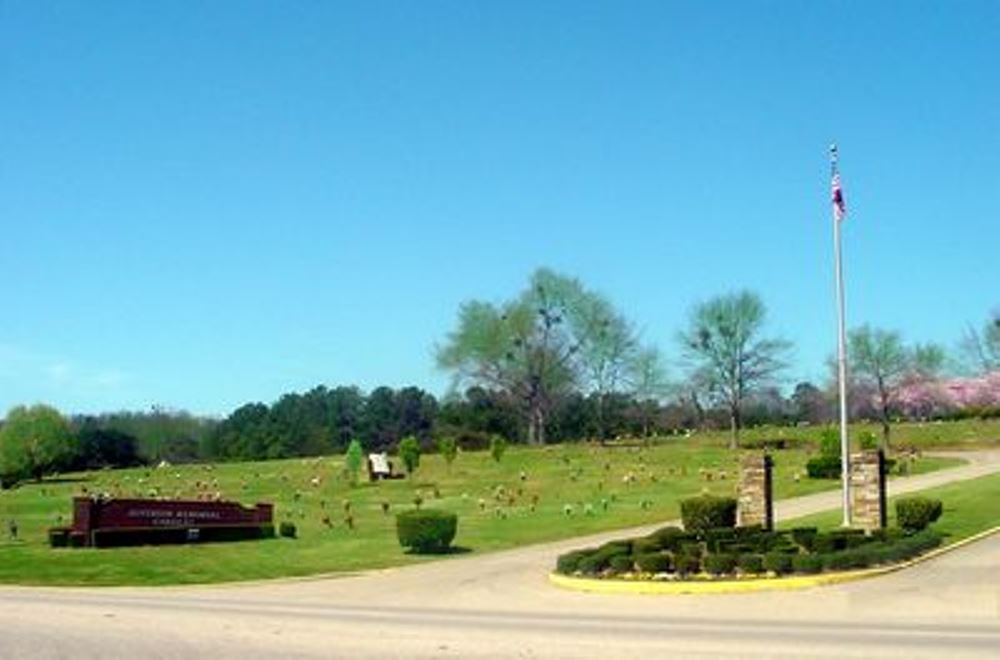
(654, 563)
(705, 512)
(721, 563)
(778, 562)
(426, 530)
(916, 513)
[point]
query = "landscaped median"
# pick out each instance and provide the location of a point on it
(708, 557)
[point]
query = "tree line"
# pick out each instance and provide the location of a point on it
(557, 362)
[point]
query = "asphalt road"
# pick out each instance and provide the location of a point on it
(501, 606)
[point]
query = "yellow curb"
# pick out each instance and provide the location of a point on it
(749, 585)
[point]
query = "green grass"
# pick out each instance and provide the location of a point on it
(962, 434)
(969, 508)
(581, 476)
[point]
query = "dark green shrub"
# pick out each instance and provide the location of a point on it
(849, 559)
(778, 562)
(716, 539)
(670, 538)
(592, 564)
(287, 529)
(705, 512)
(567, 563)
(829, 443)
(77, 539)
(617, 547)
(621, 563)
(426, 530)
(804, 536)
(59, 537)
(751, 563)
(645, 546)
(656, 562)
(824, 467)
(721, 563)
(807, 563)
(687, 564)
(916, 513)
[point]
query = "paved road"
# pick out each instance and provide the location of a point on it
(501, 606)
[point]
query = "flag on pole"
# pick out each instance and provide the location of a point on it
(837, 197)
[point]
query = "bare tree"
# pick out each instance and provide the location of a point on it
(878, 358)
(981, 348)
(724, 350)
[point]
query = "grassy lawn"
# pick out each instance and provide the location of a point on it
(605, 487)
(969, 508)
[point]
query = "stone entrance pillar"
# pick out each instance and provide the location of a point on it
(755, 503)
(868, 508)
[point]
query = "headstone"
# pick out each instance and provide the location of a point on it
(755, 503)
(380, 463)
(868, 508)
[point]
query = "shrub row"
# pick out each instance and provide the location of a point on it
(857, 551)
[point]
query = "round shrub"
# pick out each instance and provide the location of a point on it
(721, 563)
(670, 538)
(426, 530)
(687, 564)
(654, 562)
(778, 562)
(705, 512)
(824, 467)
(567, 563)
(807, 563)
(804, 536)
(621, 563)
(592, 564)
(287, 530)
(916, 513)
(751, 563)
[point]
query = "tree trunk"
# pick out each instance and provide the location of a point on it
(536, 425)
(734, 427)
(884, 398)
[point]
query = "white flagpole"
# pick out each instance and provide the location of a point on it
(845, 461)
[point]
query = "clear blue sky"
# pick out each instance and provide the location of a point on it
(204, 204)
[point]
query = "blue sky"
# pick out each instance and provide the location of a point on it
(204, 204)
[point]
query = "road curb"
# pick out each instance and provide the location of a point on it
(750, 585)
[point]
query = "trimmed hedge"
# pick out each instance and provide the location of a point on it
(751, 563)
(824, 467)
(670, 538)
(621, 563)
(916, 513)
(426, 530)
(567, 563)
(807, 563)
(705, 512)
(778, 562)
(721, 563)
(687, 564)
(654, 563)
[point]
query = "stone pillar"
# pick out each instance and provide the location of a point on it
(755, 502)
(868, 509)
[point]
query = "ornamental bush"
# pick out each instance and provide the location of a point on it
(705, 512)
(916, 513)
(426, 530)
(804, 536)
(687, 564)
(824, 467)
(778, 562)
(654, 562)
(807, 563)
(751, 563)
(721, 563)
(59, 537)
(287, 529)
(670, 538)
(567, 563)
(621, 563)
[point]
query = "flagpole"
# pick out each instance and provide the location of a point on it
(845, 461)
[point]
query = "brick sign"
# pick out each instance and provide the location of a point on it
(124, 515)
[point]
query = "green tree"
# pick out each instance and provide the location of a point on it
(353, 459)
(409, 452)
(448, 448)
(34, 441)
(981, 347)
(878, 358)
(498, 446)
(534, 348)
(648, 378)
(726, 353)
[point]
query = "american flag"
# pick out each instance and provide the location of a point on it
(837, 197)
